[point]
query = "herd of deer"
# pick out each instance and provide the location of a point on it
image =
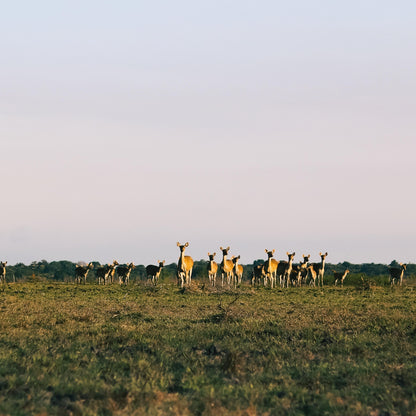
(272, 269)
(231, 272)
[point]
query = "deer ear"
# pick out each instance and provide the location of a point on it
(265, 250)
(208, 254)
(163, 262)
(214, 254)
(320, 253)
(238, 256)
(273, 251)
(221, 249)
(228, 248)
(187, 244)
(178, 244)
(326, 253)
(287, 253)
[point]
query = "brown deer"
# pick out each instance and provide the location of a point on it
(103, 272)
(340, 277)
(300, 272)
(284, 270)
(81, 272)
(237, 271)
(185, 265)
(258, 274)
(226, 266)
(396, 274)
(212, 269)
(270, 268)
(3, 271)
(123, 272)
(153, 271)
(319, 268)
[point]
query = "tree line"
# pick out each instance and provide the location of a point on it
(63, 271)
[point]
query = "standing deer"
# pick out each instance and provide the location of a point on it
(284, 270)
(81, 272)
(113, 272)
(226, 266)
(212, 269)
(153, 271)
(258, 274)
(319, 268)
(300, 272)
(340, 277)
(396, 274)
(123, 272)
(237, 271)
(270, 268)
(185, 265)
(3, 271)
(103, 272)
(312, 275)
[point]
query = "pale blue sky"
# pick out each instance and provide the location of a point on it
(128, 126)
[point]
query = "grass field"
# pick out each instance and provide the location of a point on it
(95, 350)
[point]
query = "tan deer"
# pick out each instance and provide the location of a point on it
(113, 271)
(312, 274)
(185, 265)
(319, 268)
(270, 268)
(153, 272)
(212, 269)
(237, 271)
(81, 272)
(340, 277)
(123, 273)
(396, 274)
(226, 266)
(3, 271)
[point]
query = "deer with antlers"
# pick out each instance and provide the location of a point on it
(212, 269)
(185, 265)
(153, 272)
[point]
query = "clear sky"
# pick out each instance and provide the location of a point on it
(128, 126)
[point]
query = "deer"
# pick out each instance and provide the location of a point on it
(185, 265)
(258, 274)
(212, 269)
(226, 266)
(112, 271)
(123, 272)
(3, 271)
(396, 274)
(284, 269)
(340, 276)
(319, 268)
(270, 268)
(237, 271)
(300, 271)
(153, 271)
(81, 272)
(103, 272)
(312, 275)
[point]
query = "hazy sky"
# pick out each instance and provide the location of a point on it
(128, 126)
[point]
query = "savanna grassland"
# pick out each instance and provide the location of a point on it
(110, 350)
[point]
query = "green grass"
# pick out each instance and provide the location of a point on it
(90, 350)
